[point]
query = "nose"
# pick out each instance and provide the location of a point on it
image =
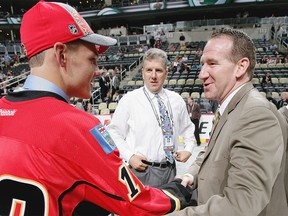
(203, 73)
(96, 71)
(153, 74)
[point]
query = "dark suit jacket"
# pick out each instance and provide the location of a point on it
(241, 173)
(194, 110)
(102, 82)
(103, 85)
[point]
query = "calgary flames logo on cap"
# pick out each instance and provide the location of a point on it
(82, 23)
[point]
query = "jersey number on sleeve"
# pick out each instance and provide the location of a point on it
(127, 180)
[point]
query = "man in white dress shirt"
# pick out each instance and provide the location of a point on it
(139, 130)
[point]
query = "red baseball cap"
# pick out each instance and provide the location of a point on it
(49, 22)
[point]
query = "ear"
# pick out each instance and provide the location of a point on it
(242, 65)
(60, 53)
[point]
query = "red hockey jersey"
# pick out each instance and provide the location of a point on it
(58, 160)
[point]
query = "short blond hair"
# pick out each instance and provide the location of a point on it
(154, 53)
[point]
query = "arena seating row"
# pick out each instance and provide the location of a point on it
(188, 82)
(11, 49)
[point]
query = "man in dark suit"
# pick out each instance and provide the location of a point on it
(241, 172)
(194, 112)
(103, 85)
(115, 83)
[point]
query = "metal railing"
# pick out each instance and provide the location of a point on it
(95, 95)
(15, 80)
(123, 74)
(135, 63)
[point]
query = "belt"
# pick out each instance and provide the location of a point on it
(158, 164)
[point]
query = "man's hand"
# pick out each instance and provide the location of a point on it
(182, 156)
(187, 179)
(136, 162)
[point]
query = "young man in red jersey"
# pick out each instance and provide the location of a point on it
(54, 158)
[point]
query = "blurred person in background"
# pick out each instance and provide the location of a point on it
(194, 112)
(283, 101)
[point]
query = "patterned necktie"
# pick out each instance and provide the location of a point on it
(165, 125)
(164, 117)
(215, 120)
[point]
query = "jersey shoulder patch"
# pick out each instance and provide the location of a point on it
(103, 137)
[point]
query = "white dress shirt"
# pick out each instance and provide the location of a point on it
(225, 103)
(135, 129)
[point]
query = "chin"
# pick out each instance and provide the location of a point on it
(85, 95)
(208, 96)
(155, 89)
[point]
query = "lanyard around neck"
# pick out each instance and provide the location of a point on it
(155, 111)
